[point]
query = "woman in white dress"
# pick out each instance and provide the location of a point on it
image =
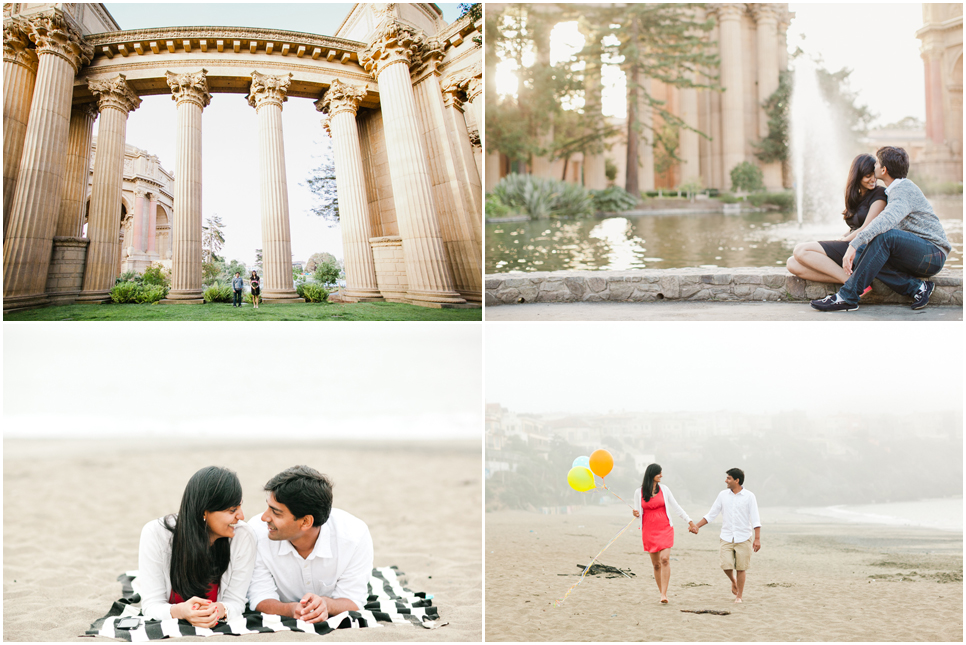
(197, 565)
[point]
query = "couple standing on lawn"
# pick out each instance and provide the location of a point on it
(238, 284)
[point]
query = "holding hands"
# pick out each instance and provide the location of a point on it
(693, 528)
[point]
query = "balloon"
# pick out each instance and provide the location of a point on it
(581, 479)
(583, 462)
(601, 463)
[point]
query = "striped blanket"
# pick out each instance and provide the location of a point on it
(388, 602)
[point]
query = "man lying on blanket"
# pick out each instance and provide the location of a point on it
(312, 561)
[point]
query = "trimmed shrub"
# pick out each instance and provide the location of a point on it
(218, 292)
(783, 200)
(727, 198)
(613, 199)
(747, 176)
(124, 292)
(157, 274)
(312, 292)
(129, 276)
(495, 208)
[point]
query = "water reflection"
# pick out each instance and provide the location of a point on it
(672, 241)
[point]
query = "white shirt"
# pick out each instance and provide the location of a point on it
(740, 514)
(339, 565)
(669, 503)
(154, 571)
(895, 182)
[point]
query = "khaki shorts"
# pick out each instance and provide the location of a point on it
(736, 555)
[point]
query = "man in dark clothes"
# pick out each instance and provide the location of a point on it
(237, 284)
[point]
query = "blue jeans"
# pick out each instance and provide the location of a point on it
(898, 258)
(236, 298)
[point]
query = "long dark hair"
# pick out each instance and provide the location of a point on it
(194, 564)
(648, 484)
(862, 167)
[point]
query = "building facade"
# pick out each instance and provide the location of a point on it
(399, 89)
(942, 58)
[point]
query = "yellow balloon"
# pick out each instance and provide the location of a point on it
(581, 479)
(601, 463)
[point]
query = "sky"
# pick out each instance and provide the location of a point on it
(843, 35)
(229, 126)
(698, 367)
(368, 381)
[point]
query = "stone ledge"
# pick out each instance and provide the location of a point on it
(748, 284)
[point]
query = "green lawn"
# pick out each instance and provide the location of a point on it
(224, 311)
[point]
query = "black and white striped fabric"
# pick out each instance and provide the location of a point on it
(388, 602)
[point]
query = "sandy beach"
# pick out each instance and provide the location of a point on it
(813, 580)
(74, 511)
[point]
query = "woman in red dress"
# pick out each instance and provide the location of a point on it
(655, 503)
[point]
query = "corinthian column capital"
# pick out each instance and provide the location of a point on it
(340, 97)
(268, 90)
(114, 93)
(764, 12)
(53, 33)
(327, 124)
(17, 47)
(726, 10)
(466, 81)
(395, 43)
(190, 88)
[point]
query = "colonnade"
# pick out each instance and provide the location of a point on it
(436, 192)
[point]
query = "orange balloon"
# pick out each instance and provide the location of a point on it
(601, 463)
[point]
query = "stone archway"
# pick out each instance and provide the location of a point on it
(394, 97)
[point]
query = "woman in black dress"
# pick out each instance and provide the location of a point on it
(864, 200)
(256, 289)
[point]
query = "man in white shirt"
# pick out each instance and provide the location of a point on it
(739, 510)
(312, 561)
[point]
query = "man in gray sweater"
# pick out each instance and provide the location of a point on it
(237, 285)
(904, 244)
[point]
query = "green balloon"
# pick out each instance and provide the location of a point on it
(581, 479)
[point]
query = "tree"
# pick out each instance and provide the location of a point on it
(229, 270)
(321, 182)
(662, 42)
(212, 238)
(258, 259)
(748, 177)
(327, 272)
(317, 258)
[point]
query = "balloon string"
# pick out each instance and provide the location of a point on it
(557, 603)
(604, 484)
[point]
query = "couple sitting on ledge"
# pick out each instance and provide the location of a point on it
(895, 237)
(303, 559)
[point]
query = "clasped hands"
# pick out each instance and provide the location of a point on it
(311, 608)
(200, 612)
(692, 527)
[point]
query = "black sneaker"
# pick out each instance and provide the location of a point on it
(921, 298)
(833, 303)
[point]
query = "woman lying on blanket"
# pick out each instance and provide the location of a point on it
(205, 554)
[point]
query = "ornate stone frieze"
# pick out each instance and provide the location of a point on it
(17, 47)
(268, 90)
(395, 43)
(114, 93)
(466, 81)
(340, 97)
(53, 33)
(191, 87)
(90, 110)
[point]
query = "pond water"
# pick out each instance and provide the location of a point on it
(749, 239)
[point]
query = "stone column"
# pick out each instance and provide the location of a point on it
(116, 100)
(28, 236)
(474, 94)
(646, 176)
(689, 140)
(190, 93)
(137, 224)
(462, 88)
(19, 75)
(732, 101)
(152, 222)
(266, 96)
(769, 59)
(429, 274)
(73, 205)
(595, 167)
(340, 103)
